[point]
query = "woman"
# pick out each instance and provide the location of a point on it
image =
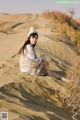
(32, 64)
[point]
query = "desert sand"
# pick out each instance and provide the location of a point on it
(27, 97)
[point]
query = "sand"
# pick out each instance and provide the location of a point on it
(23, 96)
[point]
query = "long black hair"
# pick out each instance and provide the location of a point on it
(28, 42)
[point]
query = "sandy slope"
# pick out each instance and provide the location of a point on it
(78, 20)
(28, 97)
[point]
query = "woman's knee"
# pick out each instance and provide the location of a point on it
(46, 63)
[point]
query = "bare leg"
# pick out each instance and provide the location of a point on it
(44, 57)
(52, 74)
(48, 70)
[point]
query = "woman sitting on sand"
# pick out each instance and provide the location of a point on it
(32, 64)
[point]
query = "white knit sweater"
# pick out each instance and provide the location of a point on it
(28, 60)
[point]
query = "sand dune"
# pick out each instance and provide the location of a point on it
(78, 20)
(27, 97)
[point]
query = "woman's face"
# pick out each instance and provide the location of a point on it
(33, 40)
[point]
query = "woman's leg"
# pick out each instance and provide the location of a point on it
(52, 74)
(47, 66)
(44, 57)
(43, 70)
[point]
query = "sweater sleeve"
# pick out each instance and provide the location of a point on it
(29, 52)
